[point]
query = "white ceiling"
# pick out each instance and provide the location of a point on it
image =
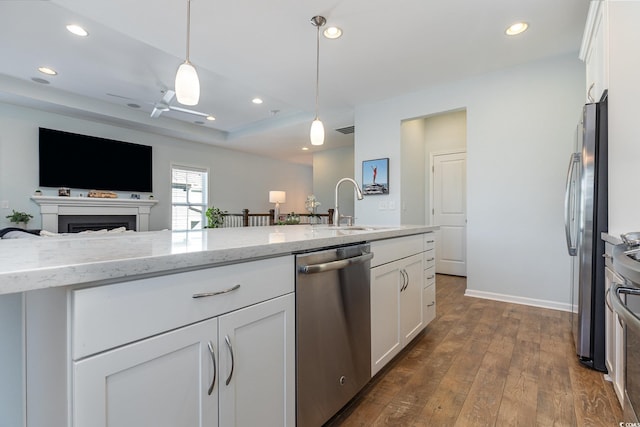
(266, 48)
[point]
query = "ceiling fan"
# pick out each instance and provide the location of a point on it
(164, 105)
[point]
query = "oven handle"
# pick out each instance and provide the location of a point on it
(335, 265)
(624, 313)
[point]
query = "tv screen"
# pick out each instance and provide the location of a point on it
(80, 161)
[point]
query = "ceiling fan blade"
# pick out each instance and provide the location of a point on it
(156, 113)
(120, 96)
(168, 96)
(184, 110)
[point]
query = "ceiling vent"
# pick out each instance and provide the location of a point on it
(347, 130)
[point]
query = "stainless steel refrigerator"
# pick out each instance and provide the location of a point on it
(586, 219)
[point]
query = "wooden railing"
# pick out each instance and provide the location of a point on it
(247, 219)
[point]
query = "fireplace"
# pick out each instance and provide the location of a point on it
(73, 214)
(78, 223)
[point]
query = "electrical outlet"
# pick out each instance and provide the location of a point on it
(4, 204)
(392, 205)
(382, 206)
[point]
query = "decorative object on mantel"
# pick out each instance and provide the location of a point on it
(215, 217)
(20, 218)
(102, 194)
(64, 192)
(311, 204)
(37, 192)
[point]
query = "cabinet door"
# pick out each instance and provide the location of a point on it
(257, 364)
(385, 314)
(614, 339)
(411, 314)
(163, 381)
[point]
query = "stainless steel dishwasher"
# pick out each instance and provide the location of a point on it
(333, 330)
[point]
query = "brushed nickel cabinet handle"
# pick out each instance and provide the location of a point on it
(432, 304)
(228, 341)
(213, 360)
(212, 294)
(431, 277)
(430, 259)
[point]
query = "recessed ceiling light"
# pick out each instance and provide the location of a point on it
(48, 71)
(199, 122)
(256, 101)
(210, 118)
(305, 148)
(132, 105)
(517, 28)
(332, 32)
(77, 30)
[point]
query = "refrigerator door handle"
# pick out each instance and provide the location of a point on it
(570, 189)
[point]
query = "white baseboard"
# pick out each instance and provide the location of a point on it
(553, 305)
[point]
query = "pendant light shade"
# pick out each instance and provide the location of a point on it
(316, 134)
(187, 84)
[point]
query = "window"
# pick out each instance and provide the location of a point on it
(188, 198)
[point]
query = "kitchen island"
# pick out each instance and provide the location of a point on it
(109, 312)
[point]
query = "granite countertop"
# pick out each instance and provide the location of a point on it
(45, 262)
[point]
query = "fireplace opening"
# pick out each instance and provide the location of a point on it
(78, 223)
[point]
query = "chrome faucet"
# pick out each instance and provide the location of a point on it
(336, 212)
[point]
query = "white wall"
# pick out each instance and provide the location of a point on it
(328, 168)
(412, 171)
(520, 130)
(237, 180)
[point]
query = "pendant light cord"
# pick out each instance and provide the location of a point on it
(317, 68)
(188, 28)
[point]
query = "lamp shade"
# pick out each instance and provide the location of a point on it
(187, 84)
(316, 134)
(277, 196)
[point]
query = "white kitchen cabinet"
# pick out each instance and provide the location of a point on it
(614, 338)
(168, 380)
(397, 285)
(257, 384)
(429, 293)
(162, 381)
(594, 52)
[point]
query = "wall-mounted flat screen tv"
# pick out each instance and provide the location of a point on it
(92, 163)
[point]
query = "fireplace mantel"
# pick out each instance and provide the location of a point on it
(52, 207)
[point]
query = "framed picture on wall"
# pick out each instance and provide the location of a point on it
(375, 176)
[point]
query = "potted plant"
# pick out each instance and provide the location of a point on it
(215, 217)
(20, 218)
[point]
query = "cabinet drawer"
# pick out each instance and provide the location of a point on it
(385, 251)
(429, 258)
(429, 298)
(429, 240)
(112, 315)
(429, 276)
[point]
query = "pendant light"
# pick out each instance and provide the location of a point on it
(316, 133)
(187, 84)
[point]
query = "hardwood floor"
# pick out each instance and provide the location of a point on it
(486, 363)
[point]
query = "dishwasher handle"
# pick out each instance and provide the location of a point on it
(334, 265)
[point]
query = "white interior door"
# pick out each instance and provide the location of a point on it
(449, 193)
